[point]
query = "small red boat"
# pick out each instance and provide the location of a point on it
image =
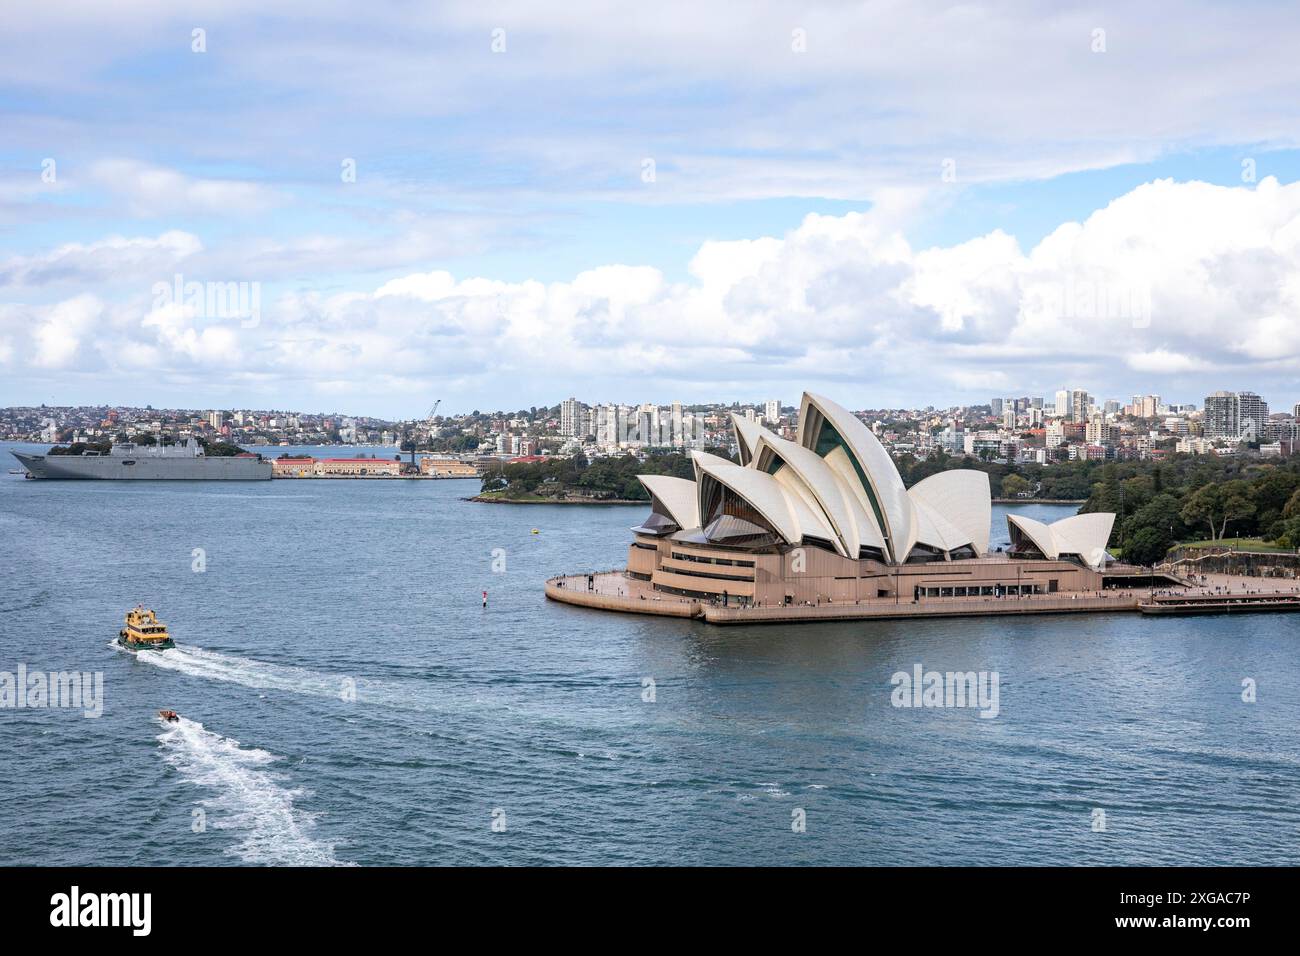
(169, 715)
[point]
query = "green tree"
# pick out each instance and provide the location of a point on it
(1275, 490)
(1288, 535)
(1292, 508)
(1160, 513)
(1203, 507)
(1238, 504)
(1147, 546)
(1014, 485)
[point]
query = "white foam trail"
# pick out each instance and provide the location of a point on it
(367, 695)
(258, 675)
(261, 675)
(248, 797)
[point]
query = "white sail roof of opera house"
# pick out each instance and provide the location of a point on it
(804, 473)
(962, 498)
(849, 447)
(674, 496)
(787, 512)
(1083, 536)
(835, 486)
(747, 435)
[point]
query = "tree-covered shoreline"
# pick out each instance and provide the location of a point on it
(599, 479)
(615, 478)
(1157, 504)
(1199, 499)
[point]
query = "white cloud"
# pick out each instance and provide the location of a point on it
(1162, 361)
(57, 339)
(157, 191)
(427, 287)
(714, 92)
(1169, 280)
(1273, 337)
(107, 260)
(179, 338)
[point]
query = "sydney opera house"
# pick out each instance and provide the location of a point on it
(826, 519)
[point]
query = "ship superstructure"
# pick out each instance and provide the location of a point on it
(130, 461)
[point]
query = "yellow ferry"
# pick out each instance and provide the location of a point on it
(144, 632)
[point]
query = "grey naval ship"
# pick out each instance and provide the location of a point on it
(127, 461)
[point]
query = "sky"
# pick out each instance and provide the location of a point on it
(326, 206)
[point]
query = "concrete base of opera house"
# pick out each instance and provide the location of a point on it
(1214, 593)
(616, 591)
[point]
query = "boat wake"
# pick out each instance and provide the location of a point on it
(248, 797)
(261, 675)
(367, 697)
(258, 675)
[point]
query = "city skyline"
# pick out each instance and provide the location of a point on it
(1069, 425)
(727, 205)
(1278, 406)
(450, 410)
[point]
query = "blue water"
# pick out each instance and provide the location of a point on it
(535, 709)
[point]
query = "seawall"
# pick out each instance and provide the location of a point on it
(615, 591)
(573, 591)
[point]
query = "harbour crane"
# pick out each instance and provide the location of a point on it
(408, 437)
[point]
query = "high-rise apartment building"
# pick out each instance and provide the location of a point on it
(1098, 433)
(1236, 415)
(571, 418)
(1146, 406)
(1079, 402)
(1252, 415)
(1220, 419)
(645, 420)
(607, 424)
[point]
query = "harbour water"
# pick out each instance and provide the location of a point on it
(348, 700)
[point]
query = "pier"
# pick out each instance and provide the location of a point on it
(1221, 603)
